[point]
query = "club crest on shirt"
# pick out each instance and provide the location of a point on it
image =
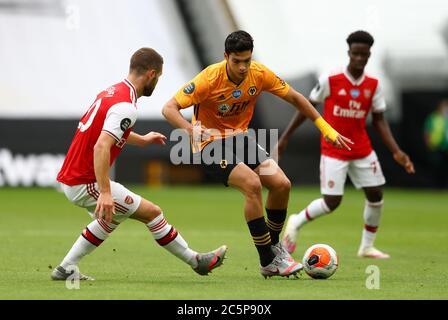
(189, 89)
(236, 94)
(110, 91)
(354, 93)
(128, 200)
(367, 93)
(330, 184)
(252, 90)
(124, 124)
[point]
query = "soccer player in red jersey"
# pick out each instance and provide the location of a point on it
(348, 96)
(100, 137)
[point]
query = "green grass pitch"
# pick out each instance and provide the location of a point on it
(38, 226)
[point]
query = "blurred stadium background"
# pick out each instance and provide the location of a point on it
(57, 55)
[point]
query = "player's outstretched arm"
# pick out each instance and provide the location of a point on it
(296, 121)
(171, 111)
(308, 110)
(143, 140)
(382, 127)
(101, 162)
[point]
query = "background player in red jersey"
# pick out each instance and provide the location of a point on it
(348, 96)
(84, 176)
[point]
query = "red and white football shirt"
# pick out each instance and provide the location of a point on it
(114, 112)
(347, 103)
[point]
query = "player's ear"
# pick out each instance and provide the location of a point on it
(151, 73)
(226, 56)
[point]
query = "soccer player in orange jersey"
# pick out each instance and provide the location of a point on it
(348, 96)
(224, 96)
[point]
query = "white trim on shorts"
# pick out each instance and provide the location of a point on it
(86, 195)
(364, 172)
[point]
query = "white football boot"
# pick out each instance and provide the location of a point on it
(372, 252)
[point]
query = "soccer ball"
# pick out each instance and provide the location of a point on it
(320, 261)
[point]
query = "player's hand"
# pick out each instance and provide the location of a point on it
(200, 132)
(404, 160)
(340, 142)
(154, 138)
(105, 207)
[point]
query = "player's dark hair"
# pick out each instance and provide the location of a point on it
(239, 41)
(360, 36)
(145, 59)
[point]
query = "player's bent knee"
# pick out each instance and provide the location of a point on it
(374, 195)
(284, 185)
(147, 211)
(332, 202)
(252, 186)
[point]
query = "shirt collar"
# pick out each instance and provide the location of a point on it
(133, 91)
(354, 81)
(226, 76)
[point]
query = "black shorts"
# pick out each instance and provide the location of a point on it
(219, 157)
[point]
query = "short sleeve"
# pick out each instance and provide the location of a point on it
(378, 101)
(193, 92)
(273, 83)
(322, 90)
(119, 118)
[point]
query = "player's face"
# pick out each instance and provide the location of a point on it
(359, 54)
(238, 64)
(153, 78)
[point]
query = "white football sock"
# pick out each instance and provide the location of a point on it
(167, 236)
(372, 215)
(314, 210)
(92, 236)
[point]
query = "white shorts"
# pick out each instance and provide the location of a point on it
(85, 196)
(364, 172)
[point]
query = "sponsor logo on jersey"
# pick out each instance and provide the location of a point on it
(353, 104)
(223, 108)
(252, 90)
(348, 113)
(342, 92)
(367, 93)
(354, 93)
(189, 89)
(236, 94)
(124, 124)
